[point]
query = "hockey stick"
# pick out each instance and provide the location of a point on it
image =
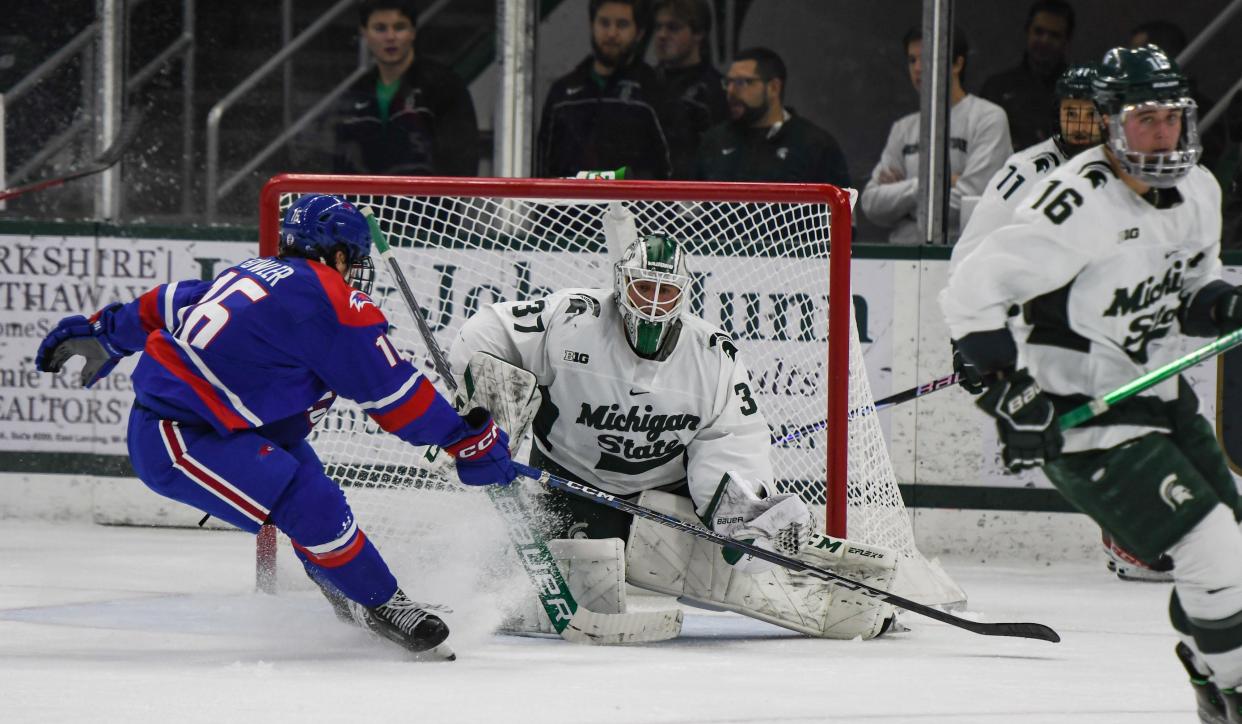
(571, 620)
(1101, 404)
(103, 162)
(939, 383)
(1020, 630)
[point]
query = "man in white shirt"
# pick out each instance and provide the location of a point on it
(978, 146)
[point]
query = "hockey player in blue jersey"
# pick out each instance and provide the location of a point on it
(235, 372)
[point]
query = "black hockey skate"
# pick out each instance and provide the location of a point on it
(409, 624)
(1210, 702)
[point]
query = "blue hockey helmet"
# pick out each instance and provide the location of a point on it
(316, 226)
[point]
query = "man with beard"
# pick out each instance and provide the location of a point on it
(409, 116)
(978, 146)
(608, 111)
(763, 140)
(1029, 89)
(692, 83)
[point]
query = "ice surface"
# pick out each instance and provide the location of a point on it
(102, 624)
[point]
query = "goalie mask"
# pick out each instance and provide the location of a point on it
(1131, 82)
(316, 226)
(651, 284)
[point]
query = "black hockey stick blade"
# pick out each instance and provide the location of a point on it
(1017, 630)
(101, 163)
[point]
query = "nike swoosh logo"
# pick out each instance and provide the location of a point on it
(361, 105)
(638, 392)
(727, 151)
(572, 91)
(1168, 254)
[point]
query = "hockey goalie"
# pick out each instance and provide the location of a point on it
(624, 390)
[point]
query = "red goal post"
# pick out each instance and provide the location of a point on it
(277, 192)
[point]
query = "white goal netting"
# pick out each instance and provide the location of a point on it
(761, 273)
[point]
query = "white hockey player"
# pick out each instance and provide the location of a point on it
(1078, 130)
(643, 400)
(1115, 258)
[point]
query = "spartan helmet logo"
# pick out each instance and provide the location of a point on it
(1174, 493)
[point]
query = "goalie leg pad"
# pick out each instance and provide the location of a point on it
(662, 559)
(594, 570)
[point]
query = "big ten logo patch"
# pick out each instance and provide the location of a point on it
(579, 357)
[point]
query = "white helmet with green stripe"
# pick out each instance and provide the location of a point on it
(651, 285)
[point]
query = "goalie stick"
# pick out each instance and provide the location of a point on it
(1019, 630)
(571, 620)
(101, 163)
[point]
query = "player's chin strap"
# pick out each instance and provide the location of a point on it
(1020, 630)
(572, 621)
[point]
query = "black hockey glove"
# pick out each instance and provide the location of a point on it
(968, 375)
(1025, 420)
(1227, 311)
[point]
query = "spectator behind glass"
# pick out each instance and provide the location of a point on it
(978, 145)
(692, 85)
(1215, 140)
(1027, 91)
(409, 116)
(608, 112)
(763, 140)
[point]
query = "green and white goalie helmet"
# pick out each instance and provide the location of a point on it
(651, 285)
(1131, 81)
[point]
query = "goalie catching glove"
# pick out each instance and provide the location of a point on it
(783, 524)
(777, 523)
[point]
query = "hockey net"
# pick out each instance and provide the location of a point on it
(763, 272)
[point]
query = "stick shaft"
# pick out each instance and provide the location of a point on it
(529, 545)
(939, 383)
(101, 163)
(1101, 404)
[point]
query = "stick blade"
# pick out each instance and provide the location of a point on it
(1036, 631)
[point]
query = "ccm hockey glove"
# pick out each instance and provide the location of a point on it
(78, 335)
(1025, 420)
(482, 452)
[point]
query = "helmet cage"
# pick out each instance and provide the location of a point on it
(650, 308)
(648, 322)
(361, 274)
(1160, 169)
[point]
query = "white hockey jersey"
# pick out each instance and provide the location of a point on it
(1003, 193)
(978, 145)
(616, 420)
(1103, 274)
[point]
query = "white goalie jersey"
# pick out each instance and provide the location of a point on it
(616, 420)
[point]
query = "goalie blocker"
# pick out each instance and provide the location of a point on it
(599, 550)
